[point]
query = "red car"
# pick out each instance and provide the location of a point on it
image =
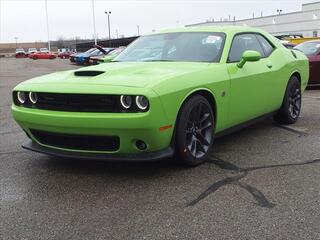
(312, 50)
(65, 54)
(42, 55)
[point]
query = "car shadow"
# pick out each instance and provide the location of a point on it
(224, 173)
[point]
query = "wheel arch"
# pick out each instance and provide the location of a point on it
(296, 74)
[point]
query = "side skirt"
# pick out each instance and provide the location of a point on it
(244, 125)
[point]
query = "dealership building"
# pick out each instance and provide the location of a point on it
(306, 22)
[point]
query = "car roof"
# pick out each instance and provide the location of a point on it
(222, 29)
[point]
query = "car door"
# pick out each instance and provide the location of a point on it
(41, 55)
(251, 87)
(314, 69)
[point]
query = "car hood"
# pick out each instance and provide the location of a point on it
(140, 74)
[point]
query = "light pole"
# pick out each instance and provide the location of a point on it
(117, 33)
(47, 18)
(279, 11)
(108, 13)
(94, 23)
(16, 38)
(138, 28)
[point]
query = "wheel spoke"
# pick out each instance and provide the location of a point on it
(296, 106)
(203, 140)
(194, 147)
(296, 97)
(204, 117)
(208, 125)
(201, 147)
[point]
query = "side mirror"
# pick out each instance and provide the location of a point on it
(249, 56)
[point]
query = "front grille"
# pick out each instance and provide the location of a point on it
(70, 102)
(78, 102)
(77, 142)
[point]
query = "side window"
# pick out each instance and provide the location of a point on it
(242, 43)
(267, 47)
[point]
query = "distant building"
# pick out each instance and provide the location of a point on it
(306, 22)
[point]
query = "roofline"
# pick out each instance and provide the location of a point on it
(247, 19)
(304, 4)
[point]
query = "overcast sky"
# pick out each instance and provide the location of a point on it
(25, 19)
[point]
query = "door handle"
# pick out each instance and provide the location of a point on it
(269, 65)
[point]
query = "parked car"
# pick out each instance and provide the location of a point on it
(201, 83)
(83, 59)
(20, 53)
(44, 50)
(42, 55)
(65, 54)
(31, 50)
(107, 58)
(72, 57)
(288, 44)
(312, 50)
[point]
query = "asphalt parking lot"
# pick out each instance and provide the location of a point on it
(259, 183)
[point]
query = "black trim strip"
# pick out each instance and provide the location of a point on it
(244, 125)
(147, 156)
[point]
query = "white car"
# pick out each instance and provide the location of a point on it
(44, 50)
(20, 50)
(32, 50)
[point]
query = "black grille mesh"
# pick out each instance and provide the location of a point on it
(77, 142)
(78, 102)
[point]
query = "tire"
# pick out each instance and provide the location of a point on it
(34, 58)
(194, 131)
(291, 105)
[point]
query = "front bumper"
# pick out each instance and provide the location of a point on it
(128, 127)
(149, 156)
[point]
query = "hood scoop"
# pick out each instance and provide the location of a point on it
(88, 73)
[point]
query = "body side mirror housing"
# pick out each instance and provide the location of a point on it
(249, 56)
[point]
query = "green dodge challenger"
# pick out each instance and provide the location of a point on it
(169, 93)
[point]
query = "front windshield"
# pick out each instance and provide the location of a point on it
(176, 47)
(91, 50)
(309, 48)
(96, 52)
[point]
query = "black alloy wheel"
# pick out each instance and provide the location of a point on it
(291, 105)
(195, 131)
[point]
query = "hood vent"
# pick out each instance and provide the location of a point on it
(88, 73)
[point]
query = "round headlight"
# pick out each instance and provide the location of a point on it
(126, 101)
(142, 102)
(21, 97)
(33, 97)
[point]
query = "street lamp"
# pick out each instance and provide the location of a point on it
(48, 35)
(108, 13)
(16, 38)
(94, 24)
(117, 33)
